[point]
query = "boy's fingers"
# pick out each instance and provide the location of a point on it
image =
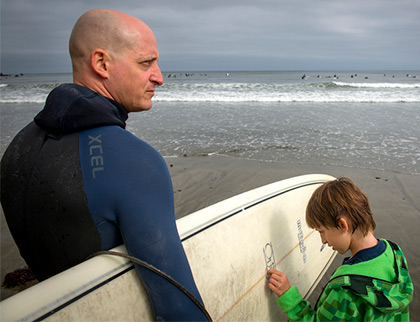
(274, 272)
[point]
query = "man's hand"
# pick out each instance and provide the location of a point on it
(278, 283)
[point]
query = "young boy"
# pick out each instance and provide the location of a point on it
(372, 285)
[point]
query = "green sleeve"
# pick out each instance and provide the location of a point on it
(333, 305)
(297, 309)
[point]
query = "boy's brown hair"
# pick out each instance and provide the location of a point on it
(337, 199)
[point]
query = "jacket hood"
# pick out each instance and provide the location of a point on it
(73, 108)
(387, 296)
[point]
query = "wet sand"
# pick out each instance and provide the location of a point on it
(201, 181)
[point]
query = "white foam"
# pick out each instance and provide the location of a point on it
(378, 85)
(260, 92)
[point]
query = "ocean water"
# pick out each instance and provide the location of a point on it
(360, 119)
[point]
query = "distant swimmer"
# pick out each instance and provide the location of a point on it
(305, 77)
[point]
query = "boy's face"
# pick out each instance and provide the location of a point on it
(339, 238)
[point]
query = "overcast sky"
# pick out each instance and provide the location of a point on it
(203, 35)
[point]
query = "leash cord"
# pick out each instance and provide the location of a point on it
(161, 274)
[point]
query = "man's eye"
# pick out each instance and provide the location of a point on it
(146, 63)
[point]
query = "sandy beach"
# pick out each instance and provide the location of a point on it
(200, 181)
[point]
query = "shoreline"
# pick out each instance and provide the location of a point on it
(200, 181)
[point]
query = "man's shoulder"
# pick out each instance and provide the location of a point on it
(112, 135)
(118, 144)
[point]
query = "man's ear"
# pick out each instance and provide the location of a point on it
(99, 60)
(343, 225)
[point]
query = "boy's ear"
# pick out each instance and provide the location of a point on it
(343, 225)
(99, 61)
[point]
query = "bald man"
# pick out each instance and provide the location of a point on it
(74, 181)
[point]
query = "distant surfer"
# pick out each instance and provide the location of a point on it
(74, 181)
(372, 285)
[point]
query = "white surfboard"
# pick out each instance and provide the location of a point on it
(230, 245)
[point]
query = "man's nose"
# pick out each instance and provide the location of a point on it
(156, 76)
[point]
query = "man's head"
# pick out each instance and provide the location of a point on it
(116, 55)
(337, 199)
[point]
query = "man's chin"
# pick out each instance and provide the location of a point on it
(141, 108)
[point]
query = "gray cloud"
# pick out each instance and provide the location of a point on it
(229, 34)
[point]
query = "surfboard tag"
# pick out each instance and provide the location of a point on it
(322, 247)
(270, 261)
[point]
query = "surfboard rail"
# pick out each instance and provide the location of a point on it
(200, 220)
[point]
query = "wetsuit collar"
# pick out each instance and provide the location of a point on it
(73, 108)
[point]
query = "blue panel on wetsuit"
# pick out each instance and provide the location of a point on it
(129, 189)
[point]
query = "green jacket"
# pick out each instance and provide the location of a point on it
(378, 289)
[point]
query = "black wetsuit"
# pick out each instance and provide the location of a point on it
(74, 181)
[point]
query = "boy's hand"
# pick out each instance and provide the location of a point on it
(278, 282)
